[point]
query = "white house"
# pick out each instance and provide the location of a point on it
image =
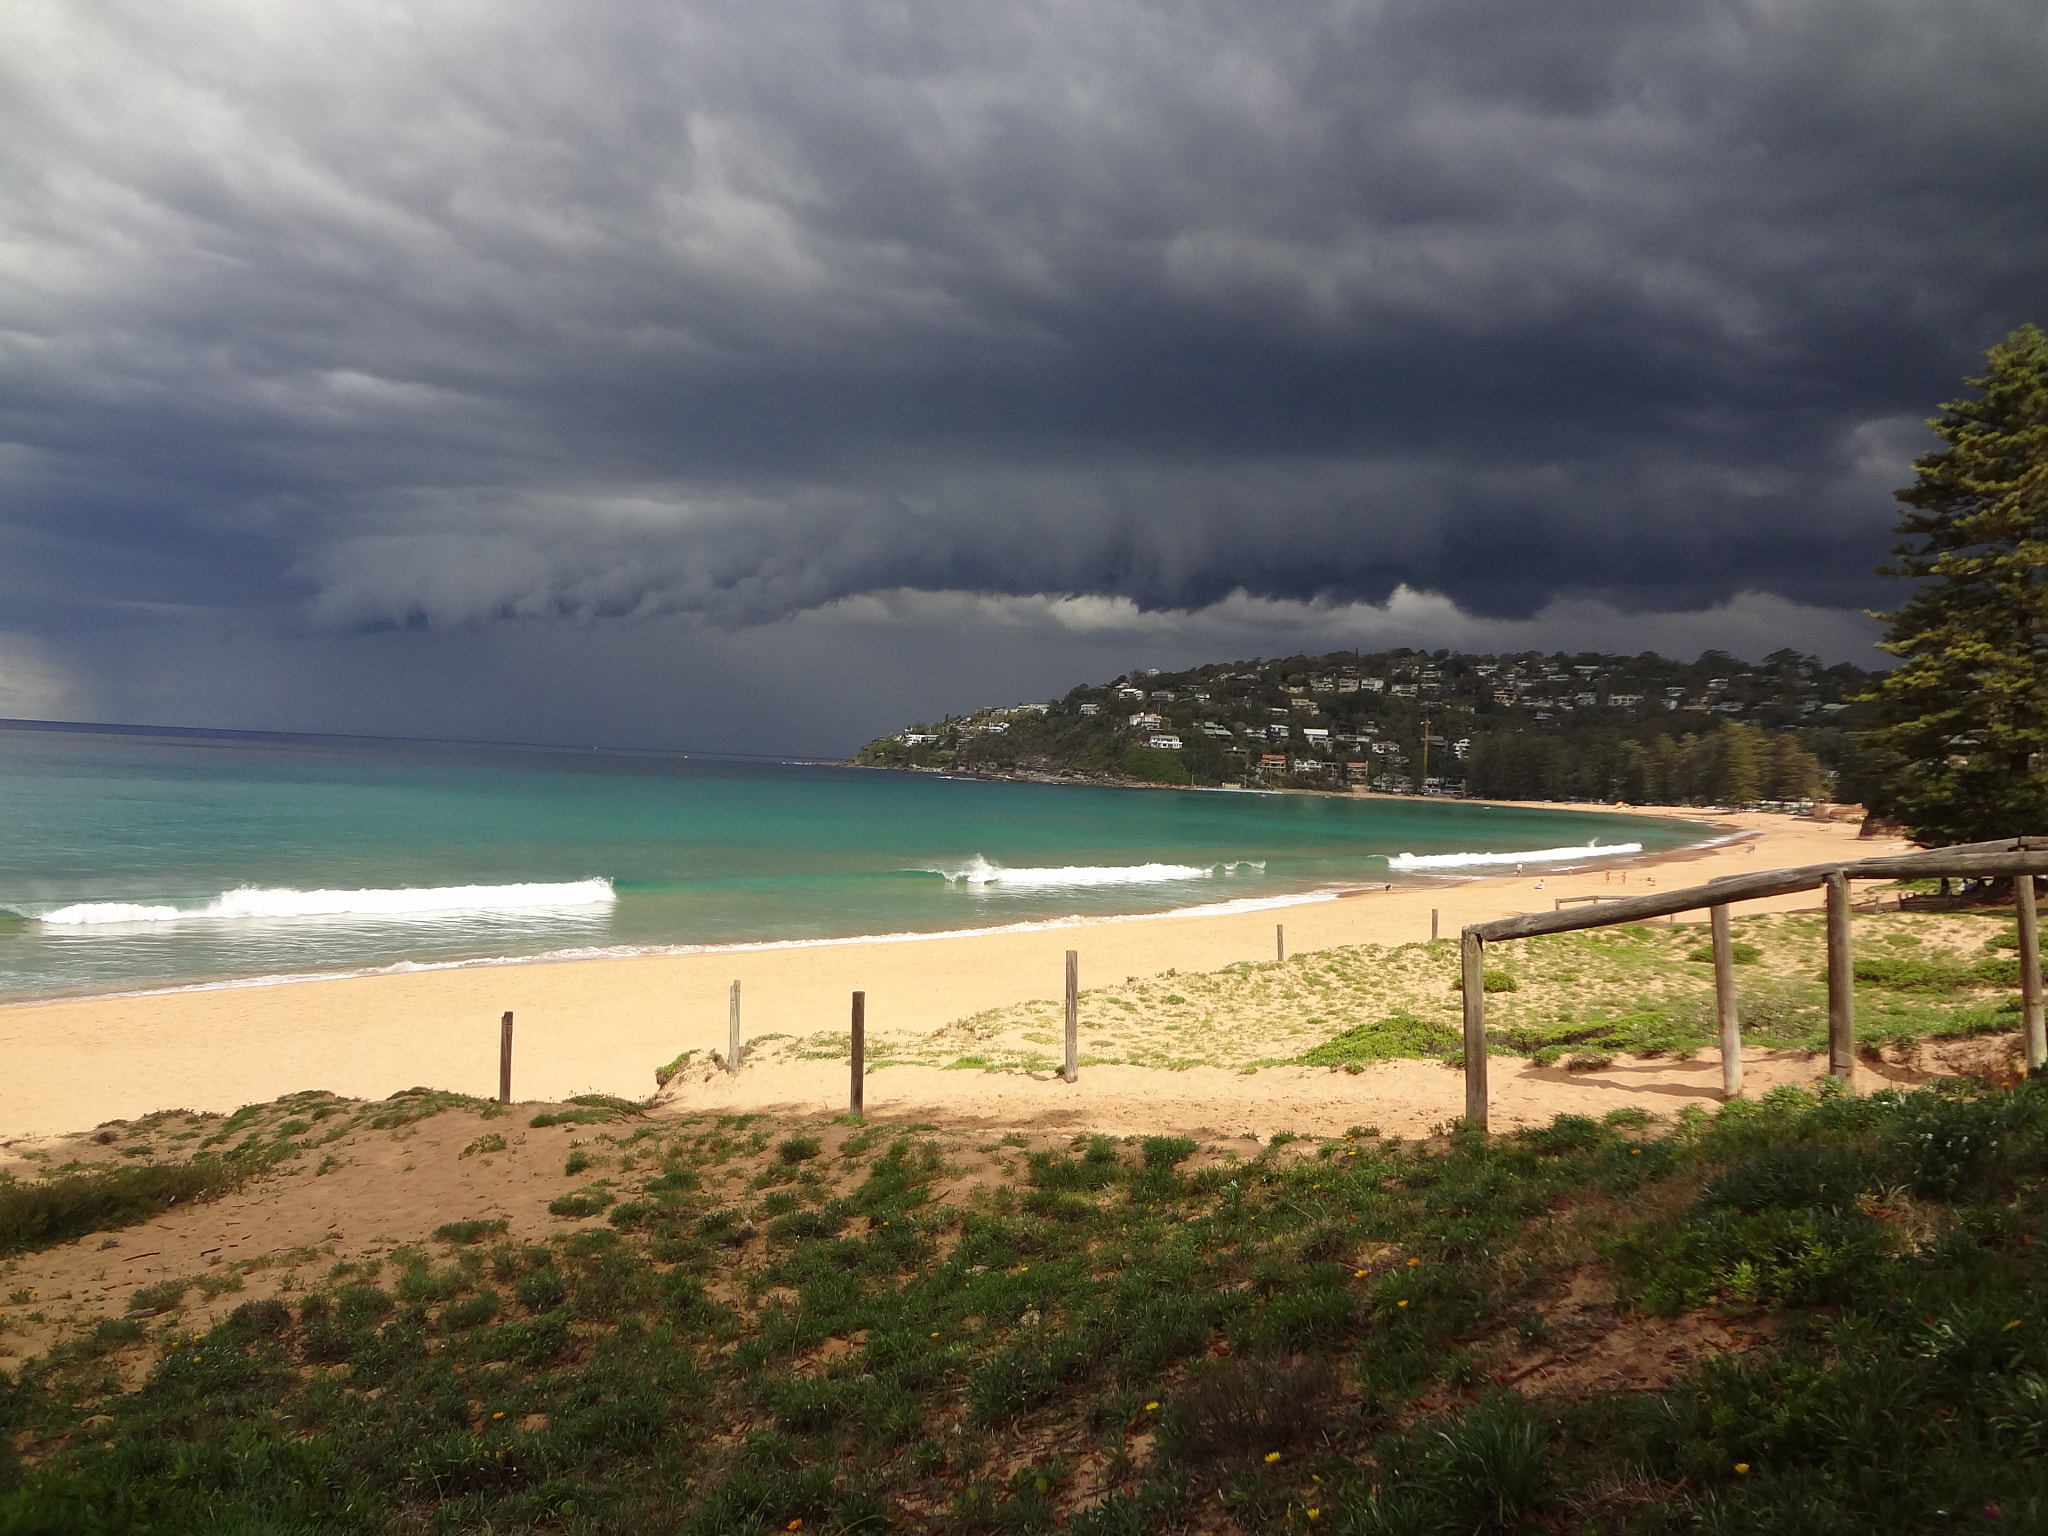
(1147, 722)
(1165, 741)
(1091, 709)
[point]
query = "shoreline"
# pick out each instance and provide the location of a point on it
(604, 1025)
(1410, 881)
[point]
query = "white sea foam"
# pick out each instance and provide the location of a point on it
(978, 871)
(742, 946)
(248, 902)
(1410, 862)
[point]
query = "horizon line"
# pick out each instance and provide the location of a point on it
(112, 728)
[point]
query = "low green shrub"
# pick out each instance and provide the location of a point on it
(797, 1149)
(45, 1212)
(1738, 952)
(474, 1231)
(591, 1200)
(1491, 981)
(1403, 1034)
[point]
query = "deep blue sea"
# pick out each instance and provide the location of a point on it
(137, 860)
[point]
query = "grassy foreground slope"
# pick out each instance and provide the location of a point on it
(1799, 1315)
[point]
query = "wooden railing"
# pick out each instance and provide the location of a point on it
(2017, 857)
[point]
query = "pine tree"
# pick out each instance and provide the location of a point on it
(1793, 773)
(1736, 775)
(1966, 713)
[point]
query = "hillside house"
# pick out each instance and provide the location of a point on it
(1147, 721)
(1163, 740)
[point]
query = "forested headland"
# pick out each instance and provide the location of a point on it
(1532, 725)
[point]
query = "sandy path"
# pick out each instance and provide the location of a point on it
(604, 1025)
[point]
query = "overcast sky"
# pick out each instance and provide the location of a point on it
(741, 374)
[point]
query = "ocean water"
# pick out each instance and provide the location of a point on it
(132, 861)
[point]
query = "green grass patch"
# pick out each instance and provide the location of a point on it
(44, 1212)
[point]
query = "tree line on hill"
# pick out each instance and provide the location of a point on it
(1519, 726)
(1730, 765)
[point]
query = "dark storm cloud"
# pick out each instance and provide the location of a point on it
(363, 316)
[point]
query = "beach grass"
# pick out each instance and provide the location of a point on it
(1642, 989)
(1797, 1314)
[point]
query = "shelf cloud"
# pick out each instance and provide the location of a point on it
(365, 331)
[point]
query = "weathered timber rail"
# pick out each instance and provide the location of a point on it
(2016, 857)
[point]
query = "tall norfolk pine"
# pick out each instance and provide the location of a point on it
(1965, 732)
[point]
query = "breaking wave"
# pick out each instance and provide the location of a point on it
(248, 902)
(1409, 862)
(978, 871)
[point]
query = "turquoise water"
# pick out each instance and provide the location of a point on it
(130, 861)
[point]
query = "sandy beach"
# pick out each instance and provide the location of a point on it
(604, 1025)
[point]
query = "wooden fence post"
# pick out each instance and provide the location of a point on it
(1432, 925)
(1280, 942)
(732, 1021)
(1474, 958)
(1841, 981)
(1073, 1015)
(858, 1102)
(1724, 1004)
(2030, 972)
(505, 1060)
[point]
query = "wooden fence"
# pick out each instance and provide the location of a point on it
(2024, 856)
